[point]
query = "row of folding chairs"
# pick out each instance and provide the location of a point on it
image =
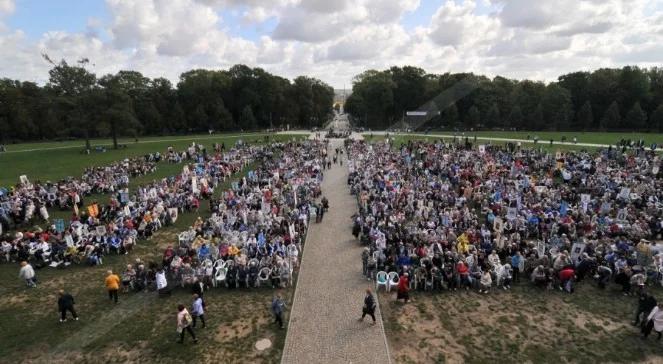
(386, 280)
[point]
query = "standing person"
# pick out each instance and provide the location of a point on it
(184, 324)
(277, 309)
(162, 283)
(646, 303)
(112, 285)
(516, 261)
(403, 288)
(27, 273)
(654, 321)
(369, 306)
(66, 303)
(198, 310)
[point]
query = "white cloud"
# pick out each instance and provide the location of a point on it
(457, 24)
(7, 7)
(335, 40)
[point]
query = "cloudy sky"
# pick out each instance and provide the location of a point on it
(331, 39)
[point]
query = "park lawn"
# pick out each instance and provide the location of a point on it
(141, 328)
(55, 164)
(400, 139)
(108, 142)
(611, 138)
(525, 325)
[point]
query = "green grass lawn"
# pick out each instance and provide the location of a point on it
(545, 136)
(54, 164)
(141, 328)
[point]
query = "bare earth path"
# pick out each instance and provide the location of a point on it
(323, 324)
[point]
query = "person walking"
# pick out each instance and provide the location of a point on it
(403, 288)
(369, 306)
(277, 309)
(112, 285)
(198, 310)
(654, 321)
(27, 273)
(66, 303)
(184, 321)
(646, 303)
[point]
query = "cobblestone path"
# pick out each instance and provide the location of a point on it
(323, 325)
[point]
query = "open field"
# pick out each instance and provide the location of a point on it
(525, 325)
(40, 163)
(593, 140)
(583, 137)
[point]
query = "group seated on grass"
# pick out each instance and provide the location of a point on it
(255, 234)
(25, 201)
(96, 230)
(456, 216)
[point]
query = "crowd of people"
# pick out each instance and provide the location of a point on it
(256, 229)
(448, 216)
(96, 230)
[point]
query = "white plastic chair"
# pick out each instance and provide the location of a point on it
(393, 280)
(220, 276)
(382, 279)
(264, 275)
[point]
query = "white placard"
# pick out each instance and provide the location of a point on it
(511, 214)
(576, 251)
(194, 185)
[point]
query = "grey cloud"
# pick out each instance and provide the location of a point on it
(529, 43)
(301, 26)
(580, 28)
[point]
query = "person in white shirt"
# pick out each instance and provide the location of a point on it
(654, 321)
(27, 273)
(198, 310)
(162, 283)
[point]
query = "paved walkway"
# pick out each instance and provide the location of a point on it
(323, 324)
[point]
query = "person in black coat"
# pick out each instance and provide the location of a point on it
(646, 303)
(66, 303)
(369, 306)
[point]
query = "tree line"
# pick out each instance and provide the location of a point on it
(607, 99)
(75, 103)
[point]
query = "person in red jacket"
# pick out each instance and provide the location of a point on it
(403, 288)
(566, 276)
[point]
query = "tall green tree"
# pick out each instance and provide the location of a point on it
(450, 117)
(73, 85)
(585, 117)
(493, 117)
(248, 121)
(557, 107)
(636, 119)
(515, 117)
(611, 118)
(656, 119)
(473, 117)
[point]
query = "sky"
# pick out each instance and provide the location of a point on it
(332, 40)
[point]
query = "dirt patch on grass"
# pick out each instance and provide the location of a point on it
(520, 326)
(238, 329)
